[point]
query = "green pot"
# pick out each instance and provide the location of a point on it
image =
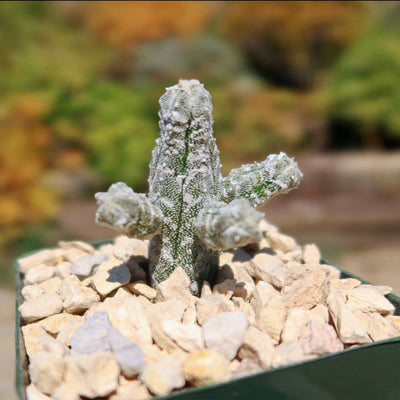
(366, 372)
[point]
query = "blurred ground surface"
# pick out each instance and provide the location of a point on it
(349, 204)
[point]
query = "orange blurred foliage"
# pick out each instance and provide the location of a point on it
(285, 37)
(129, 23)
(24, 156)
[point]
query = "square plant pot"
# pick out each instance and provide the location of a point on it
(368, 371)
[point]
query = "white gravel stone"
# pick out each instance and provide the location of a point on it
(176, 287)
(131, 390)
(267, 268)
(225, 333)
(31, 292)
(46, 371)
(209, 306)
(311, 253)
(261, 295)
(31, 333)
(126, 313)
(257, 347)
(296, 321)
(32, 393)
(287, 353)
(92, 335)
(127, 353)
(84, 265)
(141, 288)
(225, 288)
(205, 367)
(110, 275)
(368, 299)
(47, 257)
(92, 375)
(76, 296)
(53, 345)
(51, 285)
(348, 326)
(281, 242)
(39, 274)
(41, 307)
(319, 338)
(272, 318)
(55, 323)
(187, 336)
(164, 376)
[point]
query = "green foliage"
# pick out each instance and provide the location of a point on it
(365, 84)
(114, 124)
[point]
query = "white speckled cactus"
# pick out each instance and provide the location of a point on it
(191, 211)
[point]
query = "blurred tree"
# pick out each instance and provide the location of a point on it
(129, 23)
(288, 42)
(115, 125)
(25, 155)
(364, 89)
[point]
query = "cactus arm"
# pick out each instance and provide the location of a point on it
(130, 213)
(224, 226)
(259, 182)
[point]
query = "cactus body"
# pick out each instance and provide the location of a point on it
(191, 211)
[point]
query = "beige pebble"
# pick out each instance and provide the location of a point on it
(41, 307)
(205, 367)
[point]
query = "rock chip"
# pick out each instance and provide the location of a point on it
(131, 390)
(267, 268)
(141, 289)
(127, 353)
(110, 275)
(281, 242)
(76, 296)
(261, 295)
(31, 333)
(92, 375)
(319, 338)
(311, 253)
(32, 393)
(51, 285)
(245, 368)
(257, 347)
(348, 326)
(127, 315)
(377, 326)
(225, 333)
(41, 307)
(39, 274)
(77, 245)
(164, 376)
(176, 287)
(84, 265)
(306, 292)
(52, 345)
(368, 299)
(54, 323)
(296, 321)
(272, 317)
(65, 392)
(166, 310)
(209, 306)
(46, 371)
(47, 257)
(245, 308)
(287, 353)
(67, 330)
(244, 282)
(205, 367)
(31, 292)
(92, 335)
(189, 337)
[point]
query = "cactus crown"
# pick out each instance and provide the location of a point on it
(191, 211)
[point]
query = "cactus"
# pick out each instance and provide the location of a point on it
(191, 211)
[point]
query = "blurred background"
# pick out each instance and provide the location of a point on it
(79, 89)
